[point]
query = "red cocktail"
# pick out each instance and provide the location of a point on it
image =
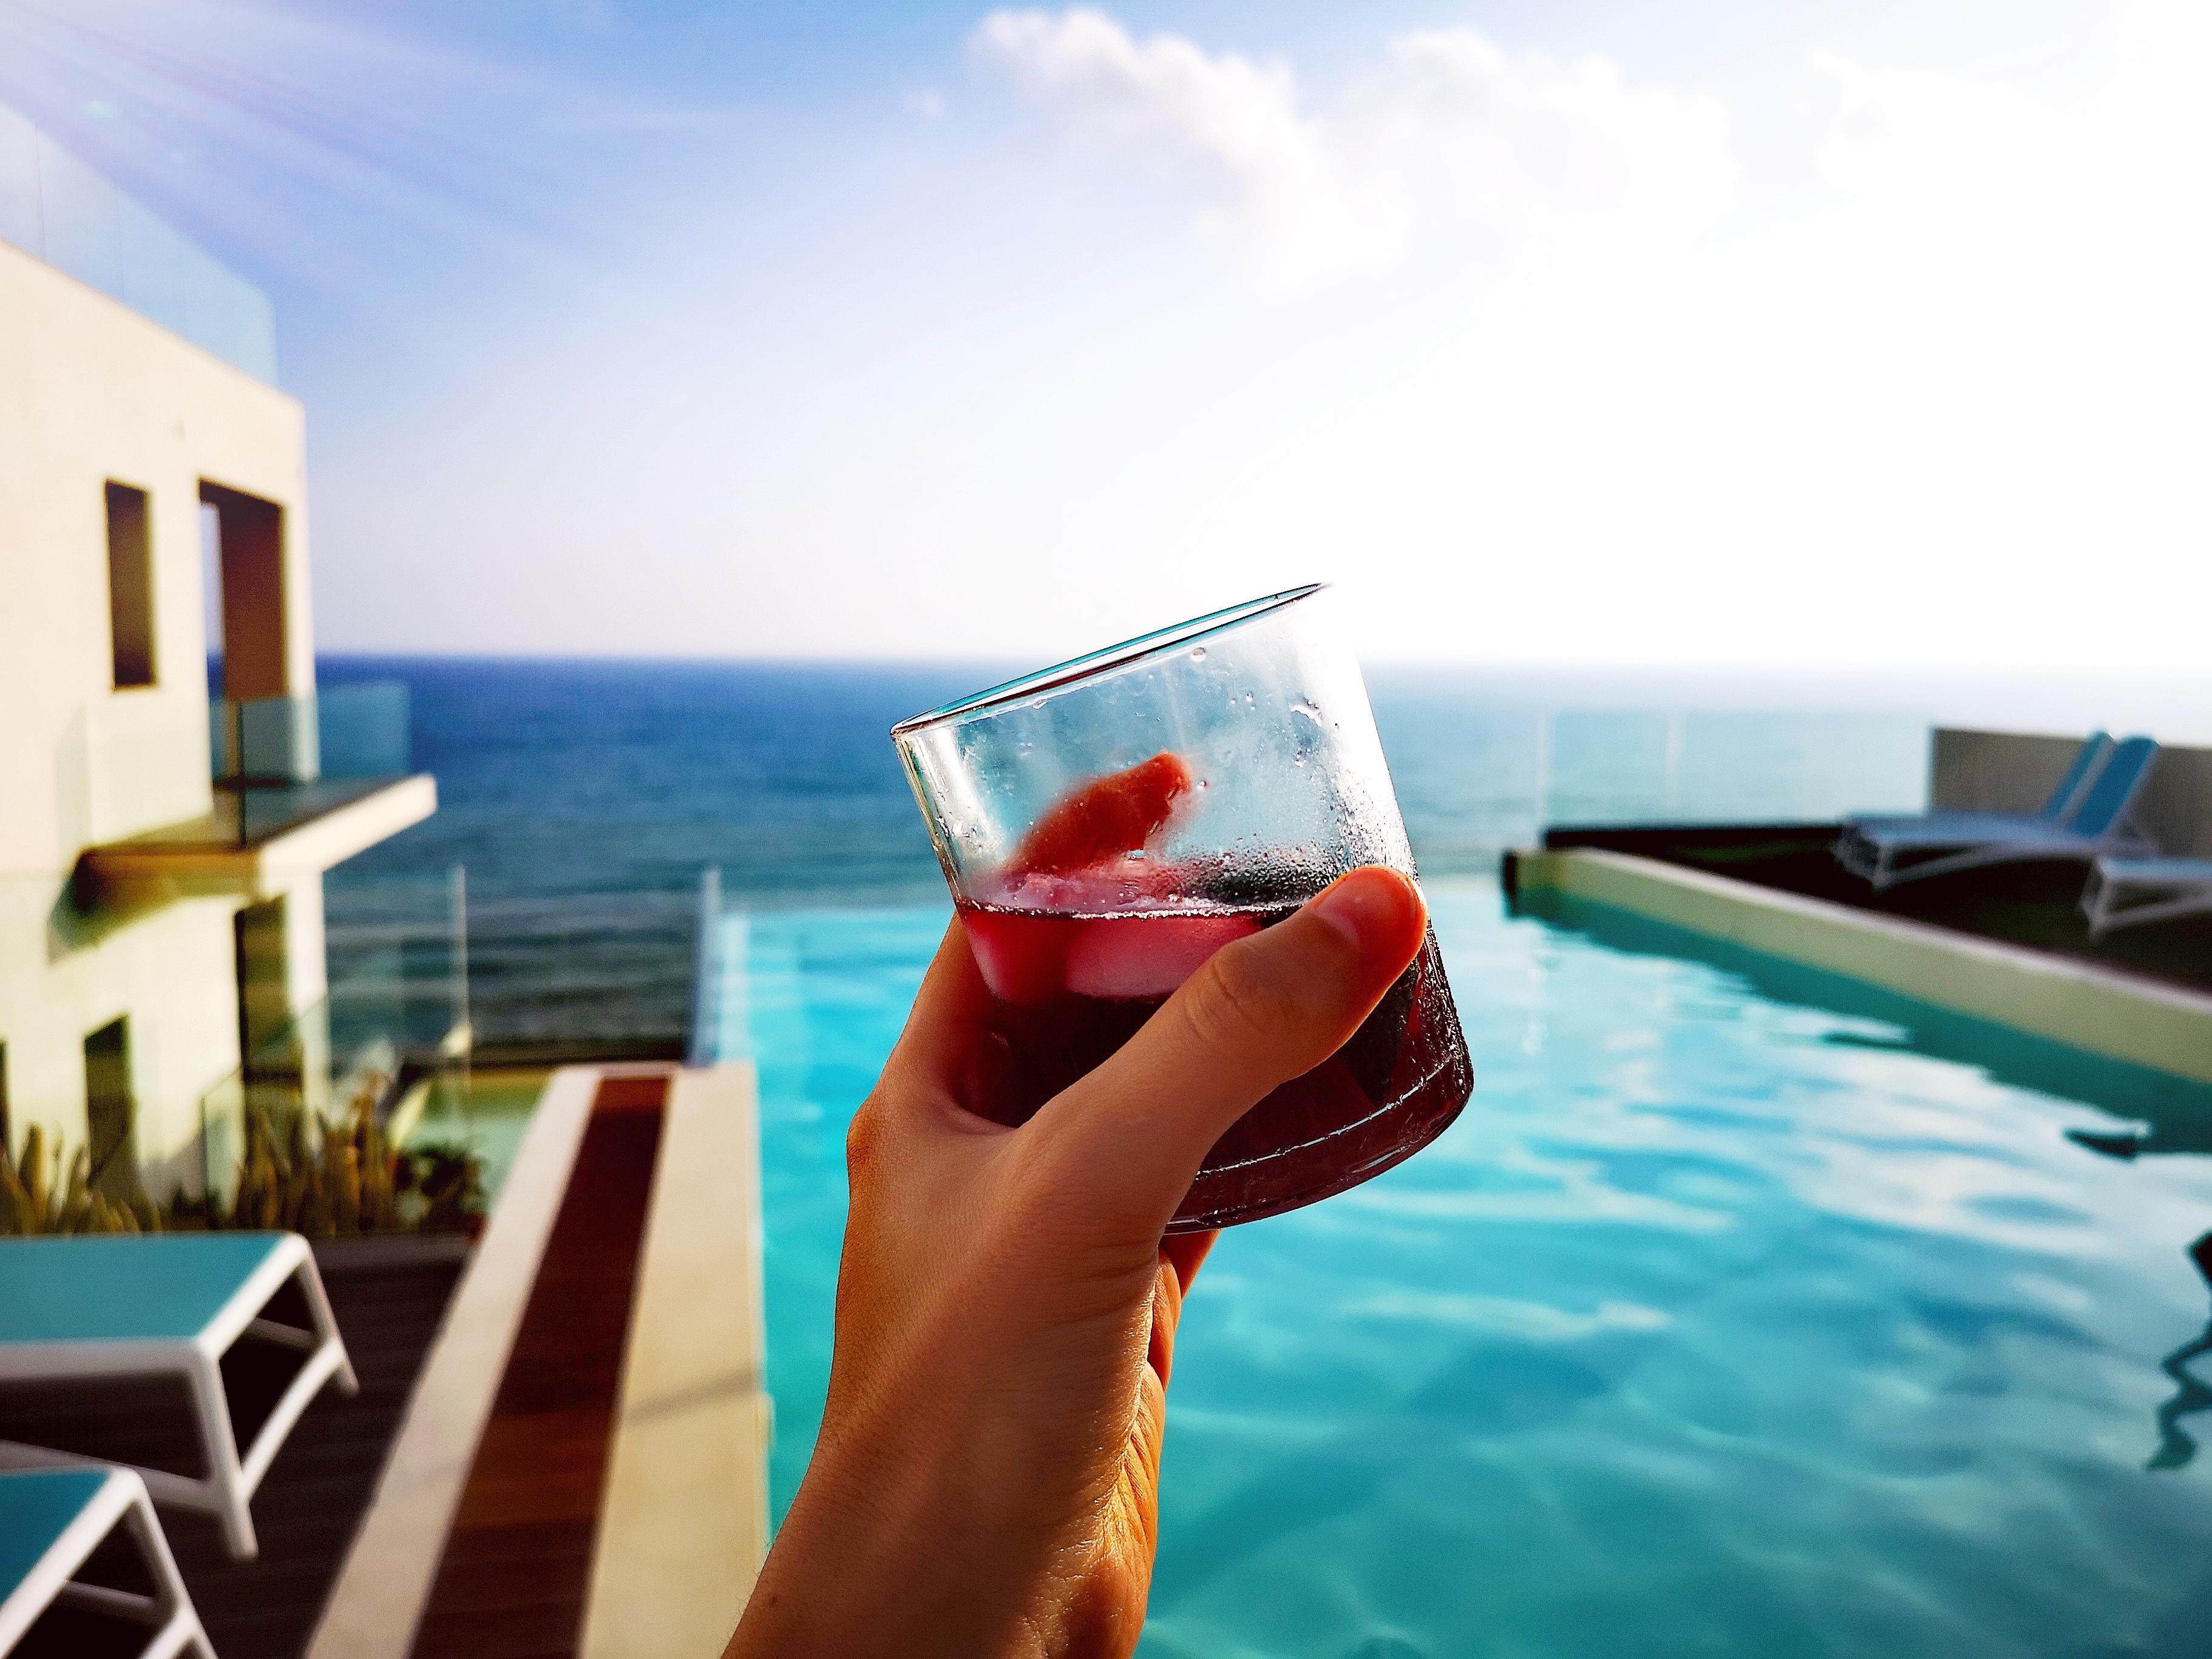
(1087, 904)
(1069, 990)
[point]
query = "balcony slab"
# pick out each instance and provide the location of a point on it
(257, 841)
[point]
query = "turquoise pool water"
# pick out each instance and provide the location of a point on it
(1744, 1311)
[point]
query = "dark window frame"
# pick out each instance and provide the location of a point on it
(134, 661)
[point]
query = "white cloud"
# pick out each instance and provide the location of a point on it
(1865, 360)
(1450, 137)
(1882, 408)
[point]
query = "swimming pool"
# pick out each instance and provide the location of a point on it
(1743, 1312)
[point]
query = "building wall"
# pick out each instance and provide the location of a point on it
(2015, 772)
(91, 392)
(169, 971)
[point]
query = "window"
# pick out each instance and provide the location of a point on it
(264, 1010)
(249, 558)
(130, 586)
(110, 1110)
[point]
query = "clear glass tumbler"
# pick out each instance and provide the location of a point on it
(1107, 824)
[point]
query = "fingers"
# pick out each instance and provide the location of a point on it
(948, 1036)
(1186, 1252)
(1258, 1013)
(1180, 1259)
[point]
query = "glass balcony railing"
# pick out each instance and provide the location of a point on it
(345, 731)
(1472, 783)
(54, 206)
(301, 1135)
(158, 1123)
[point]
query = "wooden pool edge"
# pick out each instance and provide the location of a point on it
(683, 1524)
(2118, 1016)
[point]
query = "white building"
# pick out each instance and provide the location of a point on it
(155, 925)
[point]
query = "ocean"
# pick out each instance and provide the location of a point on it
(585, 799)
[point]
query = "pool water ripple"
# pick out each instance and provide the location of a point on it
(1727, 1319)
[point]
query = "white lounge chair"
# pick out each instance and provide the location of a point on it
(1958, 827)
(50, 1522)
(2127, 892)
(85, 1308)
(2102, 822)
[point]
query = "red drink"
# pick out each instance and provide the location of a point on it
(1107, 824)
(1069, 989)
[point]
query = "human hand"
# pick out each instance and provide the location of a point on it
(986, 1482)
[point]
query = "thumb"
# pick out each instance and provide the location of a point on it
(1259, 1013)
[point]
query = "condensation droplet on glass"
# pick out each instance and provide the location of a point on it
(1198, 654)
(1311, 710)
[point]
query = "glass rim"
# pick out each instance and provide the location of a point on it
(1157, 643)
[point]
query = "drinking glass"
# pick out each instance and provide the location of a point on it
(1107, 824)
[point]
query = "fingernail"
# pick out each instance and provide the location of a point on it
(1375, 909)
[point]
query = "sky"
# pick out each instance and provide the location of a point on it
(1713, 334)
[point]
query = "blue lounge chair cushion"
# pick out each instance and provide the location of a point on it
(148, 1286)
(2115, 789)
(2094, 750)
(36, 1507)
(1982, 826)
(2028, 837)
(1950, 830)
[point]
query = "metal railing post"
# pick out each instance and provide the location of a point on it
(456, 883)
(704, 968)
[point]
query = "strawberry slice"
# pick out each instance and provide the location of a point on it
(1106, 818)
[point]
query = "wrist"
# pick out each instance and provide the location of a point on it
(870, 1561)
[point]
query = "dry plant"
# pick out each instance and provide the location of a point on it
(43, 1192)
(327, 1177)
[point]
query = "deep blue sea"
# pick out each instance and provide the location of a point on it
(585, 799)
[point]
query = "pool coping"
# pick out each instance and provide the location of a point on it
(2119, 1015)
(683, 1524)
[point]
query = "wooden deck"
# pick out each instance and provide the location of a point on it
(315, 1491)
(559, 1449)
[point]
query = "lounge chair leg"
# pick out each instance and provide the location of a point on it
(327, 1324)
(2093, 902)
(180, 1620)
(224, 1476)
